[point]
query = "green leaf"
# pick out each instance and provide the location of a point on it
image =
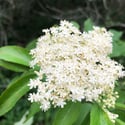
(35, 107)
(75, 24)
(13, 66)
(31, 44)
(86, 120)
(67, 115)
(14, 92)
(22, 121)
(119, 122)
(121, 114)
(99, 117)
(84, 111)
(120, 106)
(120, 88)
(88, 25)
(15, 54)
(116, 34)
(118, 49)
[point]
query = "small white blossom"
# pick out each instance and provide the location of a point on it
(77, 67)
(112, 116)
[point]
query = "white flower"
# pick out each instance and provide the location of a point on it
(112, 116)
(77, 67)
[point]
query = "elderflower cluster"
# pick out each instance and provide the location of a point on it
(76, 65)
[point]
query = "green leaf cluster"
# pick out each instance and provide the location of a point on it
(16, 59)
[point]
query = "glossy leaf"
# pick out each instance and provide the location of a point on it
(75, 24)
(121, 92)
(118, 45)
(14, 92)
(118, 49)
(22, 121)
(99, 117)
(86, 121)
(88, 25)
(67, 115)
(15, 54)
(119, 122)
(84, 111)
(13, 66)
(120, 106)
(121, 114)
(35, 107)
(116, 34)
(31, 44)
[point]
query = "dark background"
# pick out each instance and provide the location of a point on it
(21, 21)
